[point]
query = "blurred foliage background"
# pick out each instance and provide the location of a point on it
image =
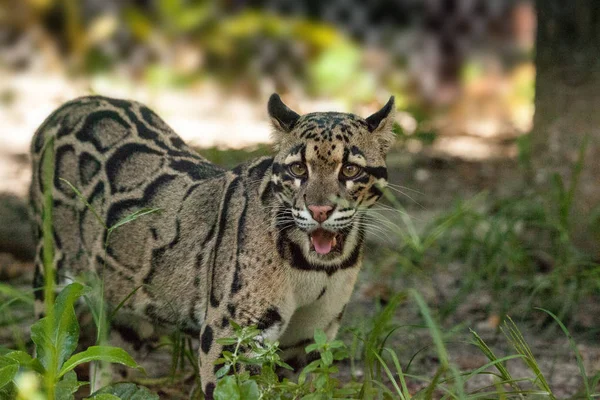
(457, 67)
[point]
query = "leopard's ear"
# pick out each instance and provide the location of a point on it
(282, 117)
(381, 123)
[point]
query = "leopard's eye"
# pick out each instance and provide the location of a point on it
(351, 171)
(298, 170)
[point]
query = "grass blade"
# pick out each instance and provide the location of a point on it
(515, 337)
(84, 201)
(400, 373)
(122, 303)
(133, 217)
(573, 346)
(442, 353)
(506, 376)
(390, 375)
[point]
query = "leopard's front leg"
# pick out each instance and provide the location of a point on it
(271, 318)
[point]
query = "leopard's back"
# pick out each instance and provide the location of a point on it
(122, 158)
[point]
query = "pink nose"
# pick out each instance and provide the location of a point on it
(320, 213)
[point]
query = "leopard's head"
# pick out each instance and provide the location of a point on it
(329, 169)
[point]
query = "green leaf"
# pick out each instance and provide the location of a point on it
(327, 357)
(283, 364)
(100, 353)
(249, 390)
(60, 336)
(26, 361)
(129, 391)
(321, 381)
(223, 371)
(8, 391)
(7, 374)
(311, 347)
(106, 396)
(313, 396)
(320, 337)
(66, 387)
(227, 389)
(4, 361)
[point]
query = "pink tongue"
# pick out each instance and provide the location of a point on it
(322, 240)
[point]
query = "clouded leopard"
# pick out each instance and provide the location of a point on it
(276, 242)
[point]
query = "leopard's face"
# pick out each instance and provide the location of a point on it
(329, 170)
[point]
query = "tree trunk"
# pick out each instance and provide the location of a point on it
(568, 107)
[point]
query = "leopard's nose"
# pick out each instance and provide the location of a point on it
(320, 213)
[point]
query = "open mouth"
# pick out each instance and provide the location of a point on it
(324, 242)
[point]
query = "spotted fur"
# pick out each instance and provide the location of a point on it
(227, 244)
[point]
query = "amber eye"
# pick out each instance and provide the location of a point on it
(351, 171)
(298, 170)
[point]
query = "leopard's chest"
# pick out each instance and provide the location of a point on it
(309, 287)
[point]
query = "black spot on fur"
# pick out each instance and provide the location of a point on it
(194, 169)
(312, 356)
(38, 282)
(116, 162)
(207, 339)
(295, 363)
(223, 216)
(260, 169)
(129, 335)
(209, 389)
(322, 292)
(177, 142)
(296, 149)
(375, 191)
(122, 208)
(301, 343)
(152, 312)
(341, 314)
(237, 283)
(355, 151)
(214, 302)
(88, 132)
(269, 318)
(63, 153)
(231, 310)
(88, 167)
(377, 172)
